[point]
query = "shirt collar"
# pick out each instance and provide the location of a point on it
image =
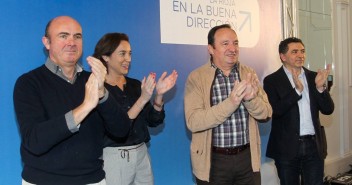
(55, 68)
(288, 72)
(233, 70)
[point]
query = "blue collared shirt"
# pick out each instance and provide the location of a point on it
(305, 116)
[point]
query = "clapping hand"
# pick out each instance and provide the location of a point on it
(99, 71)
(251, 87)
(148, 85)
(295, 76)
(321, 77)
(91, 92)
(164, 83)
(237, 92)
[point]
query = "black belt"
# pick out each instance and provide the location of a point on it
(306, 137)
(230, 150)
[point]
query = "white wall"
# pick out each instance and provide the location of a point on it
(340, 129)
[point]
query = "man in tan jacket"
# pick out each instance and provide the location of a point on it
(223, 101)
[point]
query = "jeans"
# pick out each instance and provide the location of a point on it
(307, 166)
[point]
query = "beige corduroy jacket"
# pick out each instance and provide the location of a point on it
(201, 117)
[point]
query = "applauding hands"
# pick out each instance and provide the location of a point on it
(163, 85)
(321, 77)
(246, 90)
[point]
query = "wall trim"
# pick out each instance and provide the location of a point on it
(346, 2)
(338, 165)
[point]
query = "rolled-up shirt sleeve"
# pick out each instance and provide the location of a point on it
(71, 124)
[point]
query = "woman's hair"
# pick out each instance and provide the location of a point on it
(108, 44)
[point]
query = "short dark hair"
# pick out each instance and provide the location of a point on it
(46, 34)
(211, 35)
(283, 46)
(108, 44)
(212, 32)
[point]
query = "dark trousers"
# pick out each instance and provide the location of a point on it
(232, 170)
(306, 166)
